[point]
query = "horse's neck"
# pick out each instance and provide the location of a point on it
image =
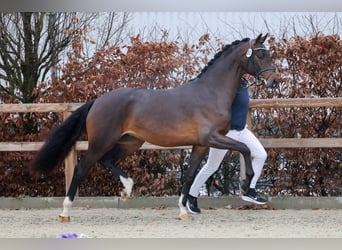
(223, 78)
(227, 69)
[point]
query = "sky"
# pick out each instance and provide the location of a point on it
(237, 25)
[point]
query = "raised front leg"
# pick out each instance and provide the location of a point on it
(223, 142)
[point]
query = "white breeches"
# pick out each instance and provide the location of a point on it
(215, 157)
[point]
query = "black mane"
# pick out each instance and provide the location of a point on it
(218, 54)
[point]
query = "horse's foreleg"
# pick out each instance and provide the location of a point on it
(224, 142)
(197, 155)
(249, 173)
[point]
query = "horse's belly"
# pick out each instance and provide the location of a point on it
(167, 137)
(165, 128)
(167, 141)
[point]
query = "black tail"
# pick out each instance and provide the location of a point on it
(60, 141)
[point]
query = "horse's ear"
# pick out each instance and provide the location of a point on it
(261, 39)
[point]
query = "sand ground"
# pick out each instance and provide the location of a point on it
(164, 223)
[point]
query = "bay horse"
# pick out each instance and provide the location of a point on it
(195, 113)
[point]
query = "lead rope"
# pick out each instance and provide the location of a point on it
(250, 84)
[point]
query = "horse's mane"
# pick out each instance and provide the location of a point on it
(218, 54)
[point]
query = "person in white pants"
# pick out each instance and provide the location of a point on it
(239, 132)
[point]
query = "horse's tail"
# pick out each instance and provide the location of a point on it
(60, 141)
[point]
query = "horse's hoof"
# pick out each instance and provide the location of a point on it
(64, 218)
(124, 196)
(184, 217)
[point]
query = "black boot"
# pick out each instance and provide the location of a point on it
(252, 196)
(191, 205)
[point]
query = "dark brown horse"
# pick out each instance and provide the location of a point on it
(196, 113)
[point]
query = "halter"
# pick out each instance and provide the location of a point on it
(249, 54)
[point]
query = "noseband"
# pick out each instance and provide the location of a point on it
(265, 70)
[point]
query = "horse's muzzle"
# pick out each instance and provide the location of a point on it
(269, 76)
(271, 79)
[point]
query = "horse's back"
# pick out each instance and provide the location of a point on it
(156, 116)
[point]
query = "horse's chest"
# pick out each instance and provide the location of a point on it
(220, 120)
(218, 116)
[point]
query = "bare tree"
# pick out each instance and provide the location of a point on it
(33, 43)
(112, 30)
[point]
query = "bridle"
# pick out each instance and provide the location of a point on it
(249, 55)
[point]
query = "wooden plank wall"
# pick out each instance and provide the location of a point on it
(67, 108)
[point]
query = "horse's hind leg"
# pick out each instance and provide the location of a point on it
(98, 145)
(80, 172)
(197, 155)
(126, 146)
(127, 182)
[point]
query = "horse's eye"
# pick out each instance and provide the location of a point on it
(261, 54)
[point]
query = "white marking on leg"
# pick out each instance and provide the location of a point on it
(128, 184)
(182, 209)
(67, 204)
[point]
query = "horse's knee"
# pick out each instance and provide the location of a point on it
(245, 150)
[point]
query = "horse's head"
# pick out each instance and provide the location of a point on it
(259, 61)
